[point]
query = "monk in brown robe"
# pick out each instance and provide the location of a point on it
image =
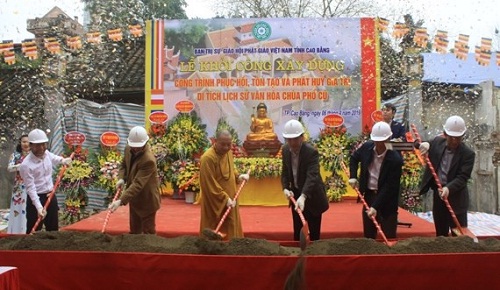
(218, 182)
(262, 127)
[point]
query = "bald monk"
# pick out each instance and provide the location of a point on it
(262, 127)
(218, 180)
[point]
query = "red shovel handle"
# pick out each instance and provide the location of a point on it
(52, 193)
(228, 210)
(117, 194)
(438, 183)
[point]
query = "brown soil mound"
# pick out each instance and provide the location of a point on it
(80, 241)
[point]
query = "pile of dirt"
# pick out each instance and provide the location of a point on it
(85, 241)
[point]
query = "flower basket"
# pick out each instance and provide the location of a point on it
(260, 167)
(109, 165)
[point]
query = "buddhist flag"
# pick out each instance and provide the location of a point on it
(498, 57)
(477, 52)
(29, 49)
(135, 30)
(52, 45)
(461, 52)
(115, 34)
(74, 42)
(383, 24)
(9, 57)
(421, 37)
(94, 37)
(441, 41)
(484, 58)
(400, 30)
(6, 46)
(486, 44)
(463, 39)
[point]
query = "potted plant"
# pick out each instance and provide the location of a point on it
(188, 180)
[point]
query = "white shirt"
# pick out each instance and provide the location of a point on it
(37, 175)
(374, 169)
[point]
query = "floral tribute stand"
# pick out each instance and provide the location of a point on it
(175, 145)
(77, 178)
(109, 160)
(333, 146)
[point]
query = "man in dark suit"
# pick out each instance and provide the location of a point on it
(379, 181)
(301, 178)
(453, 162)
(398, 130)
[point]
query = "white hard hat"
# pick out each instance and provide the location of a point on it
(137, 137)
(455, 126)
(381, 131)
(293, 129)
(37, 136)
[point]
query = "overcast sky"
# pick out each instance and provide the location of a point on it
(475, 18)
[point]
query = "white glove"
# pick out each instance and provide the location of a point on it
(230, 203)
(120, 183)
(444, 193)
(67, 161)
(41, 212)
(371, 212)
(424, 148)
(287, 193)
(301, 202)
(353, 182)
(114, 205)
(14, 167)
(244, 177)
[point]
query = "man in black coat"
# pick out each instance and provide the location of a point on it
(398, 130)
(379, 181)
(453, 162)
(301, 178)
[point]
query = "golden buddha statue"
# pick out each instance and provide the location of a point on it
(262, 127)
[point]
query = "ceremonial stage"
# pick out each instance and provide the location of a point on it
(108, 270)
(176, 218)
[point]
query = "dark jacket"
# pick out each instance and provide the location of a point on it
(309, 178)
(458, 175)
(386, 201)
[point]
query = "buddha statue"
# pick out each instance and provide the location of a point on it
(261, 128)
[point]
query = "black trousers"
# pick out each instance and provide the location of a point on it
(388, 223)
(443, 221)
(313, 221)
(51, 220)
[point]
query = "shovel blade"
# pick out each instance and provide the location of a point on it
(304, 236)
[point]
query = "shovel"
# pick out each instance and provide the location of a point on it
(50, 195)
(216, 234)
(304, 232)
(117, 194)
(459, 230)
(374, 220)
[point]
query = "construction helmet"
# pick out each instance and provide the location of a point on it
(293, 129)
(454, 126)
(381, 131)
(137, 137)
(37, 136)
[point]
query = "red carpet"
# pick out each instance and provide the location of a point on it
(175, 218)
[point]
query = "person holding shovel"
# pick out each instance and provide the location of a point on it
(379, 181)
(453, 162)
(218, 180)
(301, 179)
(139, 178)
(36, 172)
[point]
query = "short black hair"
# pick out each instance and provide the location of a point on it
(391, 106)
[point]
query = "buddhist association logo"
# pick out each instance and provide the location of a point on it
(261, 30)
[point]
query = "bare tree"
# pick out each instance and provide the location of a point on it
(294, 8)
